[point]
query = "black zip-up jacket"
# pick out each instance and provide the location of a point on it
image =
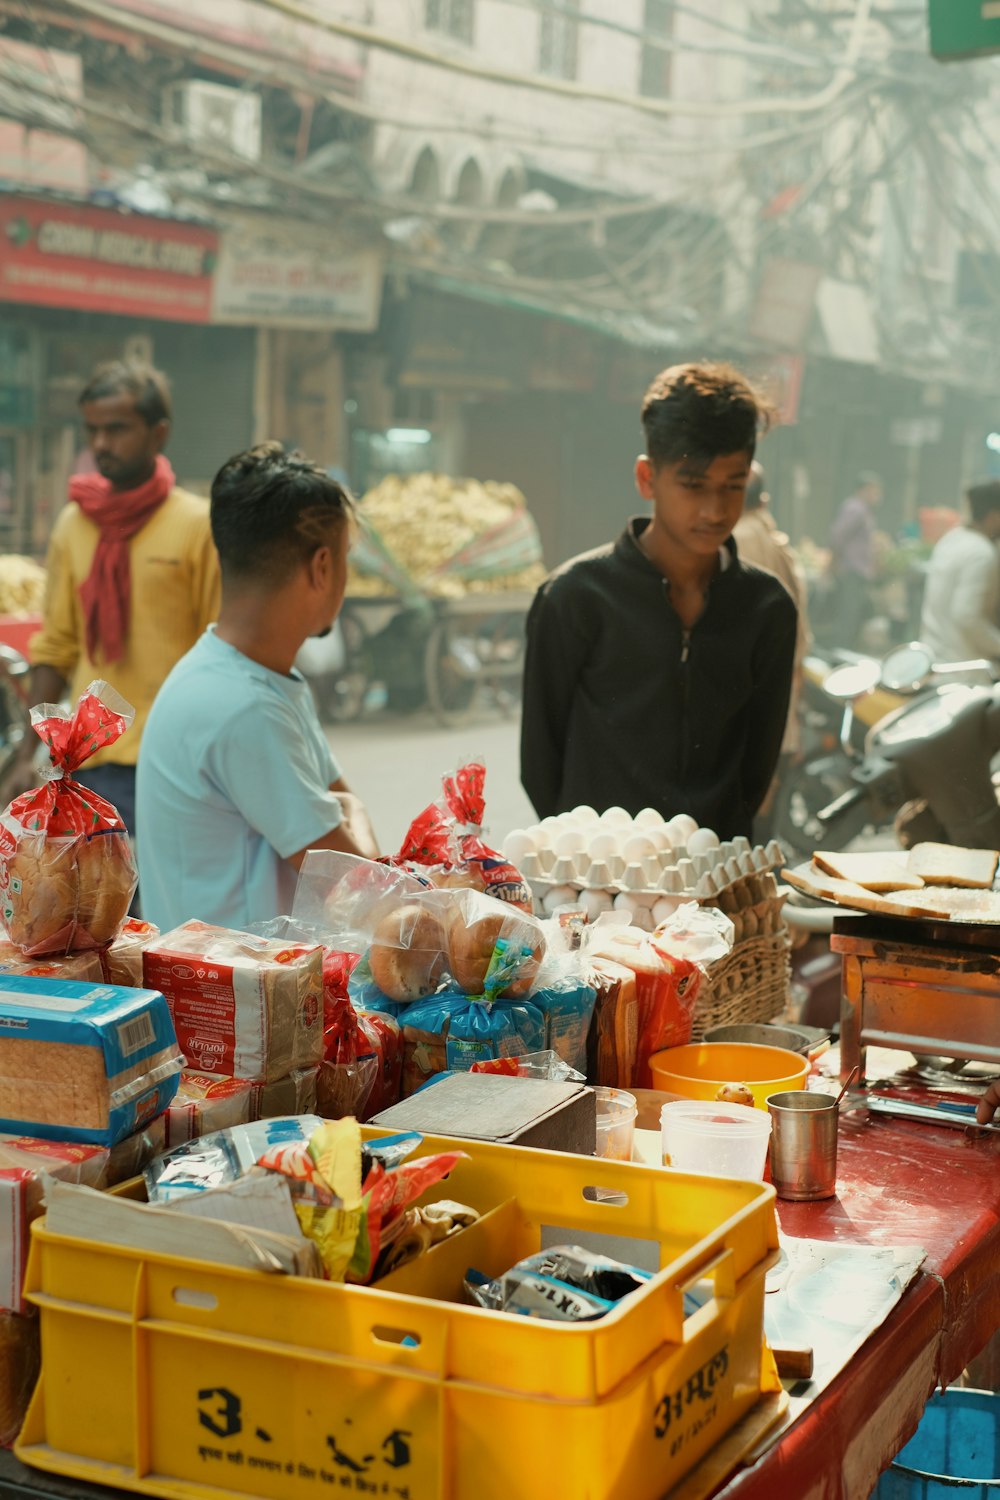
(623, 707)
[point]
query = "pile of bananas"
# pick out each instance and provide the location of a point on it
(428, 523)
(22, 585)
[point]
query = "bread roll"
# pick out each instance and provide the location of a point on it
(407, 953)
(471, 946)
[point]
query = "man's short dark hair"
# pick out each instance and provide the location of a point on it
(983, 498)
(702, 412)
(868, 479)
(149, 388)
(271, 510)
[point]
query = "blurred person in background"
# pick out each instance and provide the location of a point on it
(960, 619)
(133, 576)
(854, 558)
(759, 541)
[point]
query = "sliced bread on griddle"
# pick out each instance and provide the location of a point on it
(880, 870)
(946, 864)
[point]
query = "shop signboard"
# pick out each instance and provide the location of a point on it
(56, 254)
(271, 277)
(964, 28)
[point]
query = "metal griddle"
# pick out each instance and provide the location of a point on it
(919, 985)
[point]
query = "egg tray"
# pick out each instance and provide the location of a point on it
(698, 877)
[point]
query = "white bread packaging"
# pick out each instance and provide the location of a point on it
(206, 1102)
(83, 1062)
(244, 1006)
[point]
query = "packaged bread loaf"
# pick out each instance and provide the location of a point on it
(83, 967)
(67, 874)
(244, 1006)
(82, 1062)
(24, 1162)
(205, 1102)
(295, 1094)
(121, 961)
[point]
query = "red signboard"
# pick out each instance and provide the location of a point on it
(97, 260)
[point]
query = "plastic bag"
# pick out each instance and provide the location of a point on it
(340, 898)
(222, 1157)
(548, 1066)
(450, 1032)
(445, 843)
(565, 1284)
(67, 874)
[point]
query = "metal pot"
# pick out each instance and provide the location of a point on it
(761, 1035)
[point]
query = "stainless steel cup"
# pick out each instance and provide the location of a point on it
(803, 1145)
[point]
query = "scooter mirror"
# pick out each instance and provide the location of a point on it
(906, 668)
(852, 681)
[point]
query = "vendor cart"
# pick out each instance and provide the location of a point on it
(459, 657)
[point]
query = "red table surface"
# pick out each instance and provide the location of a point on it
(898, 1183)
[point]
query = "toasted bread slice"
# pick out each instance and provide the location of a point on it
(822, 887)
(876, 871)
(944, 864)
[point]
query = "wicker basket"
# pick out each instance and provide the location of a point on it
(750, 984)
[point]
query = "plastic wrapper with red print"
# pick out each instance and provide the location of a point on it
(445, 844)
(67, 874)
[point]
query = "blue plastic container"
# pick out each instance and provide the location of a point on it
(955, 1453)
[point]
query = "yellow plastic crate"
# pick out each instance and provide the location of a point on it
(177, 1378)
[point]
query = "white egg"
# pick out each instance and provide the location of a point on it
(586, 814)
(569, 842)
(616, 817)
(595, 902)
(684, 823)
(648, 818)
(517, 844)
(665, 907)
(636, 848)
(551, 824)
(603, 845)
(658, 837)
(539, 835)
(702, 841)
(559, 895)
(626, 901)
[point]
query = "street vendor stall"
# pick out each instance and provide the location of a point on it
(358, 1200)
(442, 574)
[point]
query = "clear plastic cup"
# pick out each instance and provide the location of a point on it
(715, 1140)
(616, 1112)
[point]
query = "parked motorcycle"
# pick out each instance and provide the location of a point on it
(913, 756)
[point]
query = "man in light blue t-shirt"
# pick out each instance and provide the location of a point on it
(236, 780)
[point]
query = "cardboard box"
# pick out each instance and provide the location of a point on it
(510, 1111)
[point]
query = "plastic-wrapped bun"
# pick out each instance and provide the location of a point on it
(486, 937)
(407, 953)
(67, 874)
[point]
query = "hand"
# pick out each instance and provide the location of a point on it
(988, 1104)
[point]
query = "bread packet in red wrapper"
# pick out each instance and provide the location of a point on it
(67, 874)
(445, 843)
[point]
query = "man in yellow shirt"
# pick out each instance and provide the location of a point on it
(133, 575)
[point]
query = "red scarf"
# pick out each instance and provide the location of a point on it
(106, 592)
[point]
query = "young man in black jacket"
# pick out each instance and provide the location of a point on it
(659, 666)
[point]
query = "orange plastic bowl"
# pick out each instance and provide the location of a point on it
(700, 1069)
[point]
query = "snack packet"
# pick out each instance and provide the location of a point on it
(67, 874)
(222, 1157)
(445, 843)
(565, 1284)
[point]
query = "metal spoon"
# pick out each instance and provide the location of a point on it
(853, 1074)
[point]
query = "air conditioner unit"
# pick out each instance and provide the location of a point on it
(213, 114)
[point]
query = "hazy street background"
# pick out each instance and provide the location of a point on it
(396, 764)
